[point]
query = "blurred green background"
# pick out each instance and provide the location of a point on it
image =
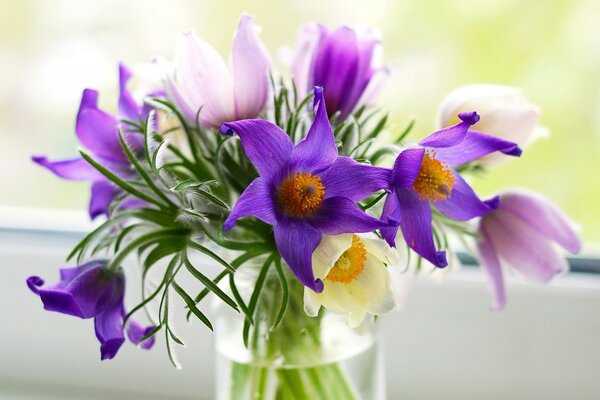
(51, 50)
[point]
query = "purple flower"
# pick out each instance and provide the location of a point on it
(93, 291)
(98, 132)
(342, 61)
(204, 81)
(522, 234)
(423, 175)
(304, 190)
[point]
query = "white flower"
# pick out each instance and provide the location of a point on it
(203, 81)
(505, 113)
(355, 277)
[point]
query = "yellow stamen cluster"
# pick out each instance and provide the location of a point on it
(435, 181)
(301, 194)
(351, 264)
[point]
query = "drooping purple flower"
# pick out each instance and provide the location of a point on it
(342, 61)
(522, 234)
(93, 291)
(424, 176)
(304, 190)
(203, 81)
(97, 131)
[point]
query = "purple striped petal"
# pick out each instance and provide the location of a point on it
(83, 291)
(98, 131)
(493, 270)
(463, 204)
(475, 145)
(543, 216)
(452, 135)
(296, 241)
(340, 215)
(75, 169)
(109, 330)
(407, 167)
(318, 150)
(265, 144)
(103, 193)
(251, 67)
(391, 214)
(415, 221)
(128, 108)
(135, 333)
(255, 201)
(353, 180)
(522, 246)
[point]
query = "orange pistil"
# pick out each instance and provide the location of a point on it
(301, 194)
(351, 264)
(435, 181)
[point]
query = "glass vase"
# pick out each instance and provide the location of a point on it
(302, 357)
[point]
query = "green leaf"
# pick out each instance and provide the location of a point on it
(151, 333)
(211, 254)
(258, 286)
(191, 305)
(209, 284)
(118, 181)
(284, 293)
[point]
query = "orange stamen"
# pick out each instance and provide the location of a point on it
(351, 264)
(435, 181)
(301, 194)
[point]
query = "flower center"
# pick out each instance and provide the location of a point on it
(301, 194)
(435, 181)
(351, 264)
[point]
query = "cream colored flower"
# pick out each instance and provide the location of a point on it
(505, 113)
(355, 277)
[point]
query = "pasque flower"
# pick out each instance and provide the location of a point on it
(424, 176)
(342, 61)
(522, 234)
(355, 277)
(505, 113)
(98, 131)
(304, 190)
(93, 291)
(205, 87)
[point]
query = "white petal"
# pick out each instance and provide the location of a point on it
(376, 283)
(380, 249)
(328, 252)
(311, 303)
(251, 67)
(309, 37)
(203, 79)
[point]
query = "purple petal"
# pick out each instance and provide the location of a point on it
(391, 214)
(103, 193)
(76, 169)
(250, 70)
(296, 241)
(89, 100)
(255, 201)
(353, 180)
(546, 218)
(128, 108)
(109, 330)
(463, 204)
(265, 144)
(407, 167)
(452, 135)
(340, 215)
(522, 246)
(475, 145)
(318, 149)
(493, 270)
(98, 131)
(415, 221)
(34, 283)
(84, 292)
(135, 333)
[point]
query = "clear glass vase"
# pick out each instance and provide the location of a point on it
(301, 358)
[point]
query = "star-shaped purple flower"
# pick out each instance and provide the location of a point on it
(98, 130)
(92, 291)
(304, 190)
(424, 176)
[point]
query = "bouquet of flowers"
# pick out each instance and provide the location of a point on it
(307, 201)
